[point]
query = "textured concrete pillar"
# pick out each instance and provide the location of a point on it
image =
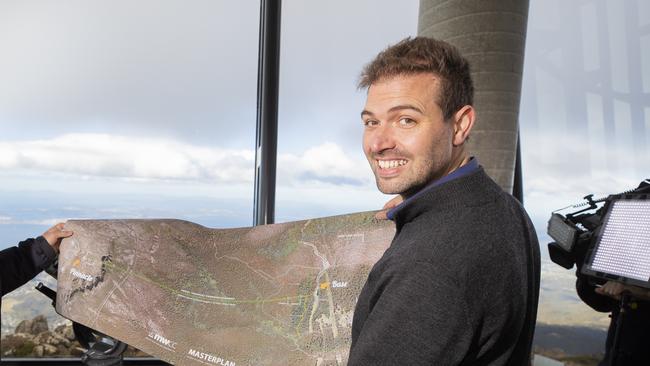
(491, 34)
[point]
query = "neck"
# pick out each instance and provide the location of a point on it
(456, 162)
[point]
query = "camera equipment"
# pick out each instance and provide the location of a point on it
(607, 238)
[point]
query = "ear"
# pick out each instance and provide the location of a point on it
(463, 123)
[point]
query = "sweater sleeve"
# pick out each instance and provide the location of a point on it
(587, 293)
(417, 316)
(22, 263)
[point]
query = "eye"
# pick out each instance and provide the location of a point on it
(406, 122)
(370, 123)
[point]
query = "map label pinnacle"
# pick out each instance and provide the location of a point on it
(83, 276)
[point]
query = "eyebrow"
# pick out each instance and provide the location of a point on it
(394, 109)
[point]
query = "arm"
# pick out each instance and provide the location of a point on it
(615, 290)
(22, 263)
(417, 316)
(587, 293)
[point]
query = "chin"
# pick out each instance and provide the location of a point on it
(405, 190)
(389, 188)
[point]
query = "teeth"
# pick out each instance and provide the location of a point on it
(389, 164)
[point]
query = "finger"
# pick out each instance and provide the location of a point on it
(64, 233)
(604, 292)
(393, 202)
(60, 231)
(56, 233)
(615, 288)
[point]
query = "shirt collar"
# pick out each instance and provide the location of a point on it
(471, 166)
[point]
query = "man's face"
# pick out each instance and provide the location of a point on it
(406, 139)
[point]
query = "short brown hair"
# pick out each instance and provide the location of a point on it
(425, 55)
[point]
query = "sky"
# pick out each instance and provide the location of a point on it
(585, 111)
(163, 102)
(123, 109)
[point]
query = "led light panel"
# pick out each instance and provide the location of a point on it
(623, 247)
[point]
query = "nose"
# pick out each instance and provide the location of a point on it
(379, 139)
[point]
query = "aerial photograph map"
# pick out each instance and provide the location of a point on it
(187, 294)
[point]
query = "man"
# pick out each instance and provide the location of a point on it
(459, 284)
(22, 263)
(634, 329)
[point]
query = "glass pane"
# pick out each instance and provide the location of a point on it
(121, 109)
(321, 167)
(585, 128)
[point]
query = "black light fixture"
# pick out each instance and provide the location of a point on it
(563, 231)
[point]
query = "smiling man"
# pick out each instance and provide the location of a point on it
(459, 284)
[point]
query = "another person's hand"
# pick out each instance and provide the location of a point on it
(615, 290)
(55, 235)
(381, 215)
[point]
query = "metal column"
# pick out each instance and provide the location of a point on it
(266, 139)
(492, 35)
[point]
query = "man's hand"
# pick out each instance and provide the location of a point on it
(615, 289)
(381, 215)
(55, 235)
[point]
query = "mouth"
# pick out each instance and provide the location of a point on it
(390, 167)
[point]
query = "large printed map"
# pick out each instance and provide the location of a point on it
(281, 294)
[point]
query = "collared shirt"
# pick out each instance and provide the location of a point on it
(471, 166)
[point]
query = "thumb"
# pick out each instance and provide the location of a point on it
(61, 231)
(393, 202)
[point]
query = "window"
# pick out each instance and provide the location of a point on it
(322, 170)
(585, 127)
(122, 110)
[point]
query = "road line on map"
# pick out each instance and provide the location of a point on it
(261, 273)
(210, 296)
(207, 302)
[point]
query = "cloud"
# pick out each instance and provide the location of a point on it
(126, 157)
(135, 159)
(42, 222)
(560, 170)
(325, 164)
